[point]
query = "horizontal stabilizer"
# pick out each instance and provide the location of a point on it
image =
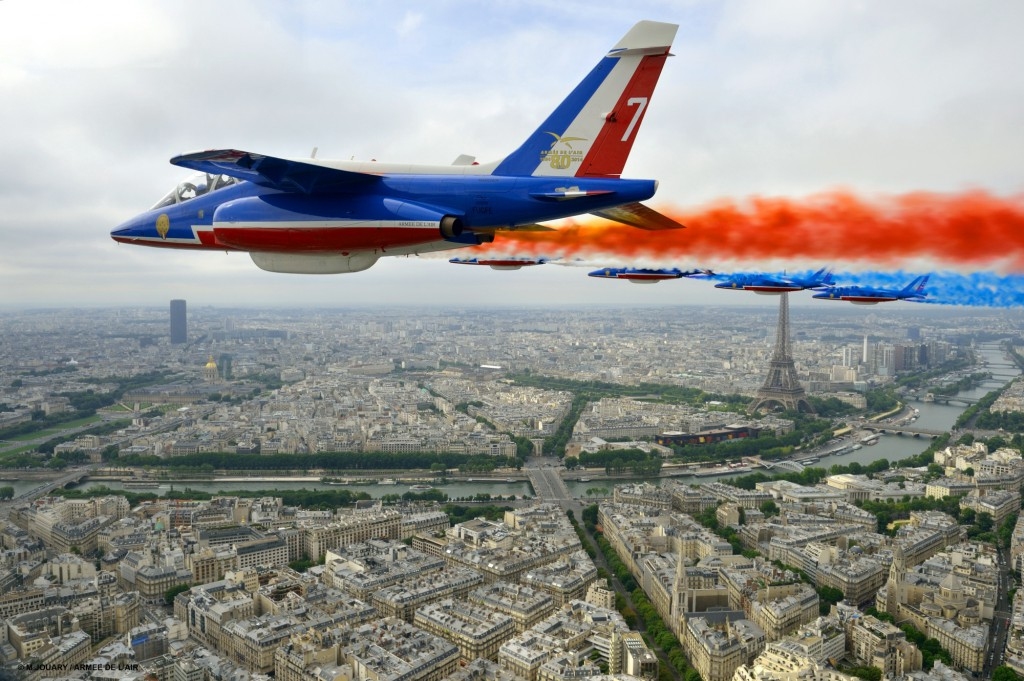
(533, 227)
(638, 215)
(271, 171)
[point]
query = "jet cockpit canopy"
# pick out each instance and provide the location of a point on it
(195, 185)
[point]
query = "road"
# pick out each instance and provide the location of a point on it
(10, 445)
(56, 431)
(1000, 618)
(168, 424)
(545, 476)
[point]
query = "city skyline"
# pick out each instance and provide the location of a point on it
(201, 495)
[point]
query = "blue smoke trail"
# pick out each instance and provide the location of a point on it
(977, 289)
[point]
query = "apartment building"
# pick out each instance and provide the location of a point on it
(716, 651)
(525, 605)
(400, 601)
(476, 630)
(879, 644)
(566, 578)
(351, 527)
(785, 610)
(1000, 504)
(392, 650)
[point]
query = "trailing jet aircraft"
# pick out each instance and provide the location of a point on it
(869, 295)
(315, 216)
(766, 284)
(509, 263)
(639, 275)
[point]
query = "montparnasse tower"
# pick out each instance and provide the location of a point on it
(210, 372)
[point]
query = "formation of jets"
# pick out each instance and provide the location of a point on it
(313, 216)
(823, 281)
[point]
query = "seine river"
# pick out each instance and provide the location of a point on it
(892, 447)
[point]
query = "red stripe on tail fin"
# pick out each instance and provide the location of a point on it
(608, 153)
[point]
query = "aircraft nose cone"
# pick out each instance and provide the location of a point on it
(122, 230)
(136, 228)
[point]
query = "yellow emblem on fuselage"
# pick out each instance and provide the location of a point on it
(163, 225)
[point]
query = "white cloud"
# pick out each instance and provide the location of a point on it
(38, 38)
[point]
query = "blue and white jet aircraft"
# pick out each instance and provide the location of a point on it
(643, 275)
(315, 216)
(869, 295)
(499, 262)
(768, 285)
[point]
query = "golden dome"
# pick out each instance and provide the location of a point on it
(211, 364)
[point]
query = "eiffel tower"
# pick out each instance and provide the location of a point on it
(782, 387)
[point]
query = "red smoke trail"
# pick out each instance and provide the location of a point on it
(971, 228)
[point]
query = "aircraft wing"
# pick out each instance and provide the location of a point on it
(271, 171)
(638, 215)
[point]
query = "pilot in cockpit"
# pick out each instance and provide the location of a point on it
(195, 185)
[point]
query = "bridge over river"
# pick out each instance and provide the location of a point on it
(958, 399)
(904, 430)
(786, 465)
(545, 476)
(74, 476)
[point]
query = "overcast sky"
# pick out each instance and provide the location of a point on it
(764, 97)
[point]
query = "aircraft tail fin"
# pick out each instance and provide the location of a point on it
(916, 287)
(823, 278)
(592, 131)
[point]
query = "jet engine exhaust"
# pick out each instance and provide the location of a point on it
(451, 227)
